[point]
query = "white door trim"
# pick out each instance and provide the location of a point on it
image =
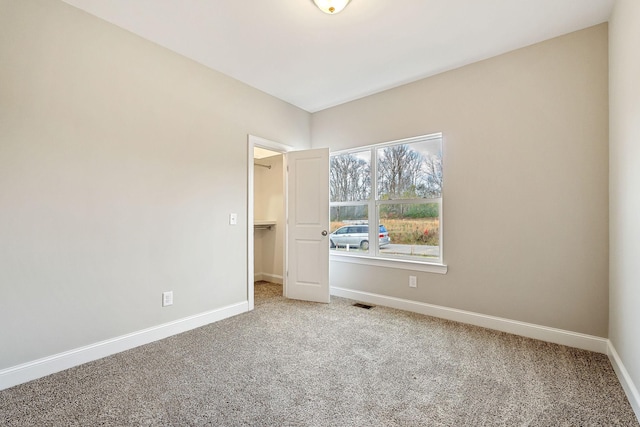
(256, 141)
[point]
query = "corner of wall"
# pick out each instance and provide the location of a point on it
(625, 379)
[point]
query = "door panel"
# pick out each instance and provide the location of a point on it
(308, 225)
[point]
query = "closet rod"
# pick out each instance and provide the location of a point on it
(264, 166)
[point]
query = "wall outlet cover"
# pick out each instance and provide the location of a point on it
(413, 282)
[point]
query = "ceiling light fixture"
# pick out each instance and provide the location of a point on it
(331, 6)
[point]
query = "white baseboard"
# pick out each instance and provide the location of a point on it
(625, 379)
(273, 278)
(529, 330)
(48, 365)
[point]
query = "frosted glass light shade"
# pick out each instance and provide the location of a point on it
(331, 6)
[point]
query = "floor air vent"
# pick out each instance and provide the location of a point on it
(368, 307)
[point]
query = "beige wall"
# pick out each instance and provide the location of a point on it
(119, 165)
(269, 206)
(526, 182)
(624, 69)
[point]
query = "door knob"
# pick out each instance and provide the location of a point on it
(324, 232)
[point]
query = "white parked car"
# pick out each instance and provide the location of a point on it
(357, 236)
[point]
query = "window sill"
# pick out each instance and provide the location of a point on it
(402, 264)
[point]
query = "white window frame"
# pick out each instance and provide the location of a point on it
(375, 257)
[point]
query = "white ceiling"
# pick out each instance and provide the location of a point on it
(292, 50)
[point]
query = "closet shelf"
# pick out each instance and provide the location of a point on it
(263, 225)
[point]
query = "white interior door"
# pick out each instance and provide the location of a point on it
(308, 225)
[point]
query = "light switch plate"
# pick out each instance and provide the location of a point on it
(233, 219)
(167, 298)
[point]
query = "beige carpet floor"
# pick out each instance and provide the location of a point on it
(292, 363)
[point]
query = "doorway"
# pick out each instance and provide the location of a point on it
(304, 261)
(269, 218)
(266, 213)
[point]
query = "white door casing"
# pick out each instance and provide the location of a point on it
(307, 242)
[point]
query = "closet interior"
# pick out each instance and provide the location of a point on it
(269, 216)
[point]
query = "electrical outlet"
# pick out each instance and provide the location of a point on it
(413, 282)
(167, 298)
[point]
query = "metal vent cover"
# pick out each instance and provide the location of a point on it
(361, 305)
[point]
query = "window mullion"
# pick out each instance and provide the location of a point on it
(373, 209)
(358, 203)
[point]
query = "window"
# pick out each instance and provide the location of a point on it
(398, 187)
(350, 192)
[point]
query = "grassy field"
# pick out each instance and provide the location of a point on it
(422, 231)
